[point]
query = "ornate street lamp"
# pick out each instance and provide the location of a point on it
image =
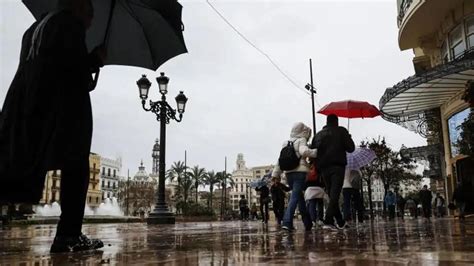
(164, 113)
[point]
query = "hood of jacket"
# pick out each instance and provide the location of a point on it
(300, 130)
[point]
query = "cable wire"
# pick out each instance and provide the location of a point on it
(256, 48)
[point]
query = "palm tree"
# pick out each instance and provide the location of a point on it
(211, 179)
(225, 180)
(197, 174)
(176, 172)
(186, 185)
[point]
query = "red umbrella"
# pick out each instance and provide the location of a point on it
(350, 109)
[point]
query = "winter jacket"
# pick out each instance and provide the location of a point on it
(299, 136)
(332, 143)
(264, 192)
(390, 199)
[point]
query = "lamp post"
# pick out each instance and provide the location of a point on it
(164, 113)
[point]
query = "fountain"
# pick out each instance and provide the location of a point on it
(109, 207)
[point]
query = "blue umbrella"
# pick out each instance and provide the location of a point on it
(360, 158)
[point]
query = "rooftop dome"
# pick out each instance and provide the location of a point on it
(141, 175)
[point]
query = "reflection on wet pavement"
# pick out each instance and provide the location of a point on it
(413, 242)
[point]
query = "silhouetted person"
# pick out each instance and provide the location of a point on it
(332, 143)
(264, 201)
(390, 201)
(440, 205)
(46, 122)
(243, 206)
(425, 199)
(278, 191)
(401, 205)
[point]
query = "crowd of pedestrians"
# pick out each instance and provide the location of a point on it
(316, 196)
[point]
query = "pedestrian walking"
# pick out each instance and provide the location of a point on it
(401, 202)
(46, 120)
(440, 205)
(314, 196)
(390, 201)
(243, 206)
(332, 143)
(253, 212)
(293, 162)
(353, 203)
(278, 191)
(411, 206)
(425, 199)
(265, 199)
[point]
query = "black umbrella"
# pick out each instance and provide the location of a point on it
(142, 33)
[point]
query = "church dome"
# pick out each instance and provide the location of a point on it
(141, 175)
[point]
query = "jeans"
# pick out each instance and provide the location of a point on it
(279, 210)
(316, 209)
(296, 182)
(264, 211)
(352, 200)
(334, 179)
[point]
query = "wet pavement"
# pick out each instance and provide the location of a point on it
(412, 242)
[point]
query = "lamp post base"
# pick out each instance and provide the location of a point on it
(161, 215)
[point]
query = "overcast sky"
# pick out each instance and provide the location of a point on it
(238, 102)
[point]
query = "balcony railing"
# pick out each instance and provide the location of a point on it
(404, 5)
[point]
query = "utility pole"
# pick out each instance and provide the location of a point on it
(185, 168)
(128, 189)
(311, 89)
(225, 183)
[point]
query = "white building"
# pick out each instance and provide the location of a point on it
(110, 176)
(242, 177)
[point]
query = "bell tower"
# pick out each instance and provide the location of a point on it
(156, 157)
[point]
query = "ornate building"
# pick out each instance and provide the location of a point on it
(137, 197)
(432, 102)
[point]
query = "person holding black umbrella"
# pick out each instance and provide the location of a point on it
(46, 121)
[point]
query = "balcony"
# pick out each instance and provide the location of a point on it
(419, 19)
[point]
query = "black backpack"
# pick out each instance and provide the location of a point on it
(288, 159)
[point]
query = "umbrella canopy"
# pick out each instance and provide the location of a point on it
(142, 33)
(360, 158)
(350, 109)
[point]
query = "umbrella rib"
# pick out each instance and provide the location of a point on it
(127, 7)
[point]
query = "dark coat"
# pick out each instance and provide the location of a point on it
(332, 143)
(425, 196)
(46, 118)
(264, 192)
(278, 191)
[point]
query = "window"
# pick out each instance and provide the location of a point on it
(445, 52)
(108, 171)
(456, 40)
(103, 183)
(470, 32)
(103, 170)
(90, 199)
(108, 184)
(114, 172)
(454, 123)
(114, 186)
(258, 171)
(97, 200)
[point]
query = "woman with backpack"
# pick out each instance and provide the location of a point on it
(293, 162)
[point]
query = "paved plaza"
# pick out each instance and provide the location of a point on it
(413, 242)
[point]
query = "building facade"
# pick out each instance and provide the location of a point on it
(52, 187)
(94, 194)
(110, 176)
(242, 177)
(435, 101)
